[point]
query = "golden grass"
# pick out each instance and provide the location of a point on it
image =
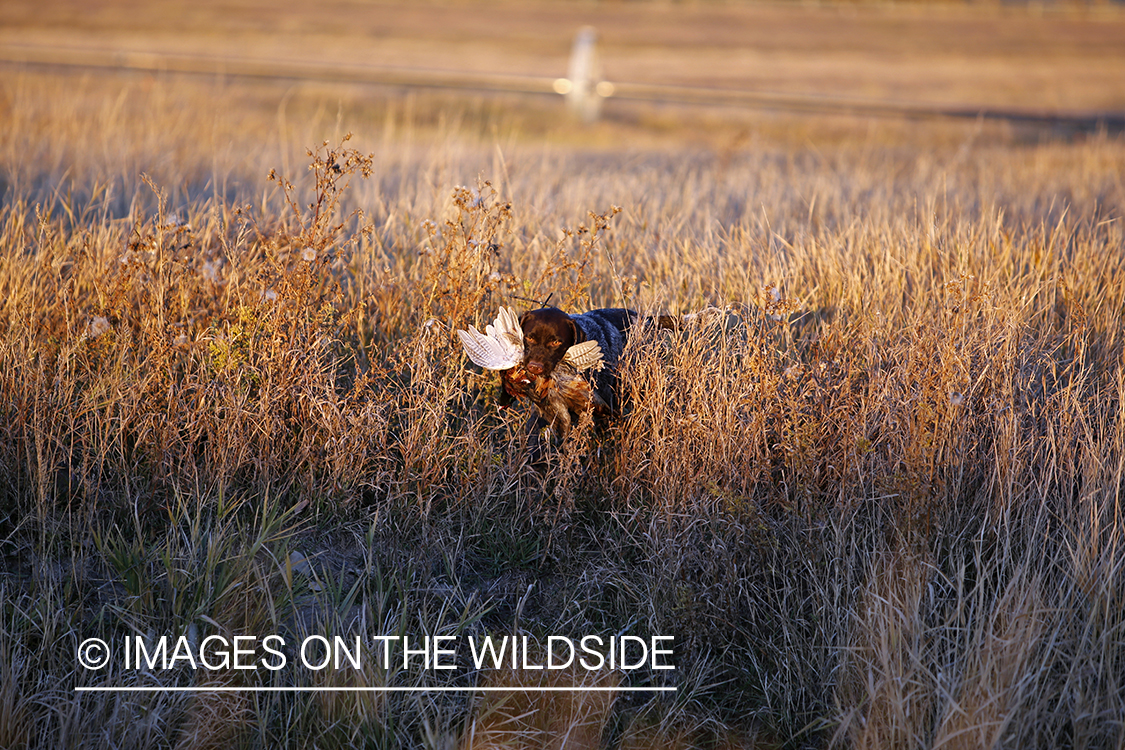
(881, 508)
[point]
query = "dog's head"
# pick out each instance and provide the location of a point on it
(547, 333)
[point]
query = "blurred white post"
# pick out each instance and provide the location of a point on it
(583, 87)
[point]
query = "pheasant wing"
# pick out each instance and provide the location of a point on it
(585, 356)
(487, 351)
(506, 328)
(500, 346)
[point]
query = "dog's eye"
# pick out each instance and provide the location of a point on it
(555, 344)
(529, 340)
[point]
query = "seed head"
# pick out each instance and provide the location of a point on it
(98, 326)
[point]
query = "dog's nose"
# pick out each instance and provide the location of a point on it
(535, 368)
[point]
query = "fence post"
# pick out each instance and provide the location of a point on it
(583, 87)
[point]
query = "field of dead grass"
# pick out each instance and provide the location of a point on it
(877, 502)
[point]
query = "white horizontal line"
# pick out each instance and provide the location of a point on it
(322, 689)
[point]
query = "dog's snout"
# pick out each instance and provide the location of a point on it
(535, 368)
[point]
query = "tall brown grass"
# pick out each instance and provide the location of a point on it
(876, 500)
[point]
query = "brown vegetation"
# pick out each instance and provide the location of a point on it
(877, 502)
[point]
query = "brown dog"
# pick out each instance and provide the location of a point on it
(556, 388)
(543, 356)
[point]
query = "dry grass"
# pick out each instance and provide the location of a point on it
(879, 508)
(547, 720)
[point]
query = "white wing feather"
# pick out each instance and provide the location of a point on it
(500, 347)
(506, 327)
(486, 351)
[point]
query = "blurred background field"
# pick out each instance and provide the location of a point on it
(1052, 56)
(877, 502)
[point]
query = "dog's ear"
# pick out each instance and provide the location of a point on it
(575, 333)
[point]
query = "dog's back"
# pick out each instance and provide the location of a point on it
(609, 327)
